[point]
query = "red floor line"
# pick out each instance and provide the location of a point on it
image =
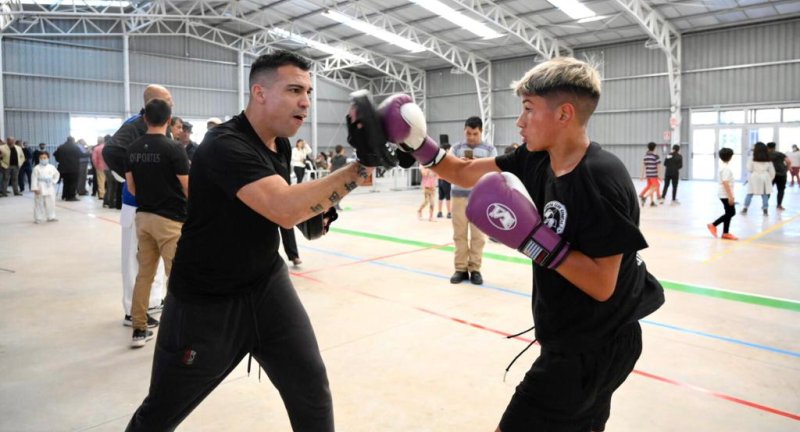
(374, 259)
(719, 395)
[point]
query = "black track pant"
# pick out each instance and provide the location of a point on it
(725, 219)
(70, 185)
(667, 180)
(289, 243)
(780, 183)
(198, 345)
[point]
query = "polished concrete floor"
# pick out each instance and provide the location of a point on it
(405, 349)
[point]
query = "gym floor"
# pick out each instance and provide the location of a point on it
(405, 349)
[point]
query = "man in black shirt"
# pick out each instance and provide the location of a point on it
(571, 207)
(157, 175)
(782, 165)
(229, 292)
(68, 156)
(673, 163)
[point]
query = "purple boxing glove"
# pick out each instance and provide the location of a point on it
(404, 124)
(500, 206)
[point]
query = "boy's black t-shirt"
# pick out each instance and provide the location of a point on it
(155, 161)
(226, 248)
(673, 163)
(779, 162)
(595, 208)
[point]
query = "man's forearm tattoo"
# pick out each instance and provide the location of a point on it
(334, 198)
(317, 208)
(350, 186)
(362, 171)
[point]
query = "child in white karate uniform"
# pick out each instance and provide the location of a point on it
(43, 185)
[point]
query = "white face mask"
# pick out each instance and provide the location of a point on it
(44, 162)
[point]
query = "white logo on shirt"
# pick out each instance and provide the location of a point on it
(555, 216)
(501, 217)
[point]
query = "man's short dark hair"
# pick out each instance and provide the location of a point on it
(268, 63)
(338, 148)
(157, 112)
(651, 146)
(725, 154)
(676, 147)
(174, 120)
(771, 145)
(187, 126)
(44, 153)
(474, 122)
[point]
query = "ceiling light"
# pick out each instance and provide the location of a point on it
(591, 19)
(92, 3)
(372, 30)
(573, 8)
(458, 18)
(336, 52)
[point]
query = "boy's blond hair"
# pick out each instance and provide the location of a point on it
(560, 80)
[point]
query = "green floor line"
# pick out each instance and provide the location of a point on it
(777, 303)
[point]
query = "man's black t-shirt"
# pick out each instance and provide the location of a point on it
(779, 161)
(226, 248)
(673, 163)
(594, 207)
(155, 162)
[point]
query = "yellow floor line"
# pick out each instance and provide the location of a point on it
(751, 239)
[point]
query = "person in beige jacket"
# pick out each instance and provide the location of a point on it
(12, 159)
(760, 180)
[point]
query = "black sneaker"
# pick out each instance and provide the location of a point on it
(439, 215)
(458, 277)
(151, 322)
(449, 215)
(140, 337)
(476, 278)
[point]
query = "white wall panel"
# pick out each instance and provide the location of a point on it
(184, 72)
(46, 94)
(42, 58)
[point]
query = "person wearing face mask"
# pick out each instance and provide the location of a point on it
(43, 185)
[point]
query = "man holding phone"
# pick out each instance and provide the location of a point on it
(469, 240)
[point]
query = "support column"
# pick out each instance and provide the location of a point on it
(241, 78)
(126, 71)
(314, 144)
(2, 101)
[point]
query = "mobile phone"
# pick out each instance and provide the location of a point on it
(468, 154)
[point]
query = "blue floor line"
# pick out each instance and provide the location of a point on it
(527, 295)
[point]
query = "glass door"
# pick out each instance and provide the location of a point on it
(703, 154)
(732, 139)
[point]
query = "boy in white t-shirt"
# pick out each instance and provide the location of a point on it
(725, 195)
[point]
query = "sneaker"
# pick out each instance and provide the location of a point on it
(296, 261)
(729, 236)
(449, 215)
(676, 202)
(781, 208)
(458, 277)
(712, 229)
(476, 278)
(661, 201)
(744, 211)
(643, 200)
(156, 309)
(766, 213)
(151, 322)
(653, 204)
(439, 215)
(140, 337)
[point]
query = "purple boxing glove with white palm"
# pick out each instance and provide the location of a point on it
(404, 124)
(499, 205)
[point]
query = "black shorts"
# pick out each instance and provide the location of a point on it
(444, 190)
(572, 392)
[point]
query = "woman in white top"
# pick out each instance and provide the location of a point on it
(794, 158)
(299, 154)
(760, 180)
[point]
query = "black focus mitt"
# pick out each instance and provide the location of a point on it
(318, 225)
(365, 133)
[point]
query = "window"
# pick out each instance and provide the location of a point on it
(791, 114)
(730, 117)
(772, 115)
(704, 118)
